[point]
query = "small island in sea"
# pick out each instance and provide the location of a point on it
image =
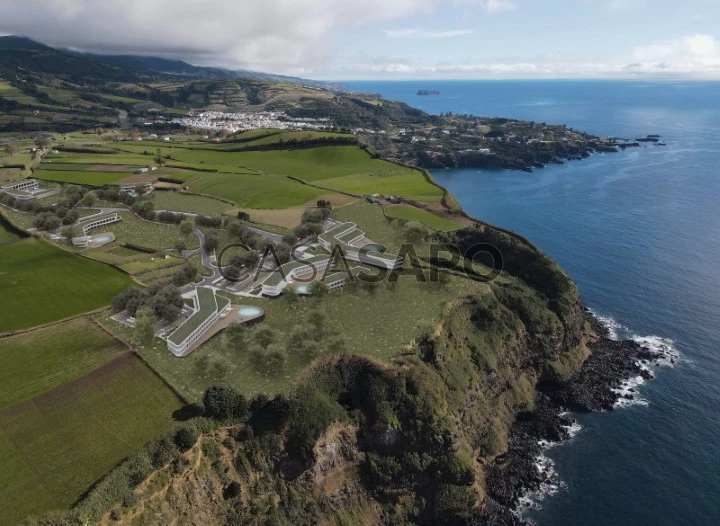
(428, 92)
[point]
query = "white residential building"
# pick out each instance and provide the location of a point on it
(90, 223)
(208, 308)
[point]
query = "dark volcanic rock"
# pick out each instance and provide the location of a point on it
(514, 474)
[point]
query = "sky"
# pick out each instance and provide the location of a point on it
(393, 39)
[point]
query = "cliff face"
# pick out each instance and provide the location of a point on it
(403, 444)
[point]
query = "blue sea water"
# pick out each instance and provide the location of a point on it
(639, 232)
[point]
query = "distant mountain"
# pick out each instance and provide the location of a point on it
(25, 53)
(161, 65)
(21, 56)
(180, 67)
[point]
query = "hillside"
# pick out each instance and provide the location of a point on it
(46, 89)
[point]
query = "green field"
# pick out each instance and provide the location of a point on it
(311, 164)
(98, 158)
(35, 362)
(417, 214)
(343, 168)
(197, 204)
(55, 446)
(256, 191)
(6, 235)
(81, 177)
(40, 283)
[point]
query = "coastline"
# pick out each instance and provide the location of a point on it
(522, 477)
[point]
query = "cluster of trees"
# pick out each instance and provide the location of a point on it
(46, 221)
(209, 221)
(114, 195)
(51, 217)
(164, 301)
(267, 349)
(145, 208)
(187, 274)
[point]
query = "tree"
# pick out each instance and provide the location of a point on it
(212, 240)
(318, 289)
(223, 403)
(180, 245)
(71, 217)
(185, 438)
(290, 295)
(234, 337)
(268, 361)
(186, 227)
(144, 327)
(167, 303)
(318, 320)
(324, 203)
(243, 216)
(68, 232)
(43, 142)
(264, 336)
(185, 275)
(89, 199)
(11, 149)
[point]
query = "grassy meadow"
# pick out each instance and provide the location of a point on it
(54, 446)
(39, 361)
(256, 191)
(417, 214)
(40, 283)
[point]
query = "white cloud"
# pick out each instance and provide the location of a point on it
(694, 55)
(423, 33)
(279, 35)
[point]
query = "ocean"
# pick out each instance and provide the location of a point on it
(639, 232)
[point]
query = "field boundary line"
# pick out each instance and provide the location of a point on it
(132, 349)
(50, 324)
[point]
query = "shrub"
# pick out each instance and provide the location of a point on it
(224, 403)
(185, 438)
(312, 411)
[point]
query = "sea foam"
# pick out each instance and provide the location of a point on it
(664, 348)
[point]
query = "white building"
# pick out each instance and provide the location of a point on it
(130, 188)
(89, 224)
(26, 185)
(208, 308)
(298, 271)
(356, 247)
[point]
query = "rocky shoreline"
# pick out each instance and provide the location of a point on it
(528, 157)
(596, 387)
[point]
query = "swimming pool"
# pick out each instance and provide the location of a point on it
(303, 289)
(250, 312)
(100, 240)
